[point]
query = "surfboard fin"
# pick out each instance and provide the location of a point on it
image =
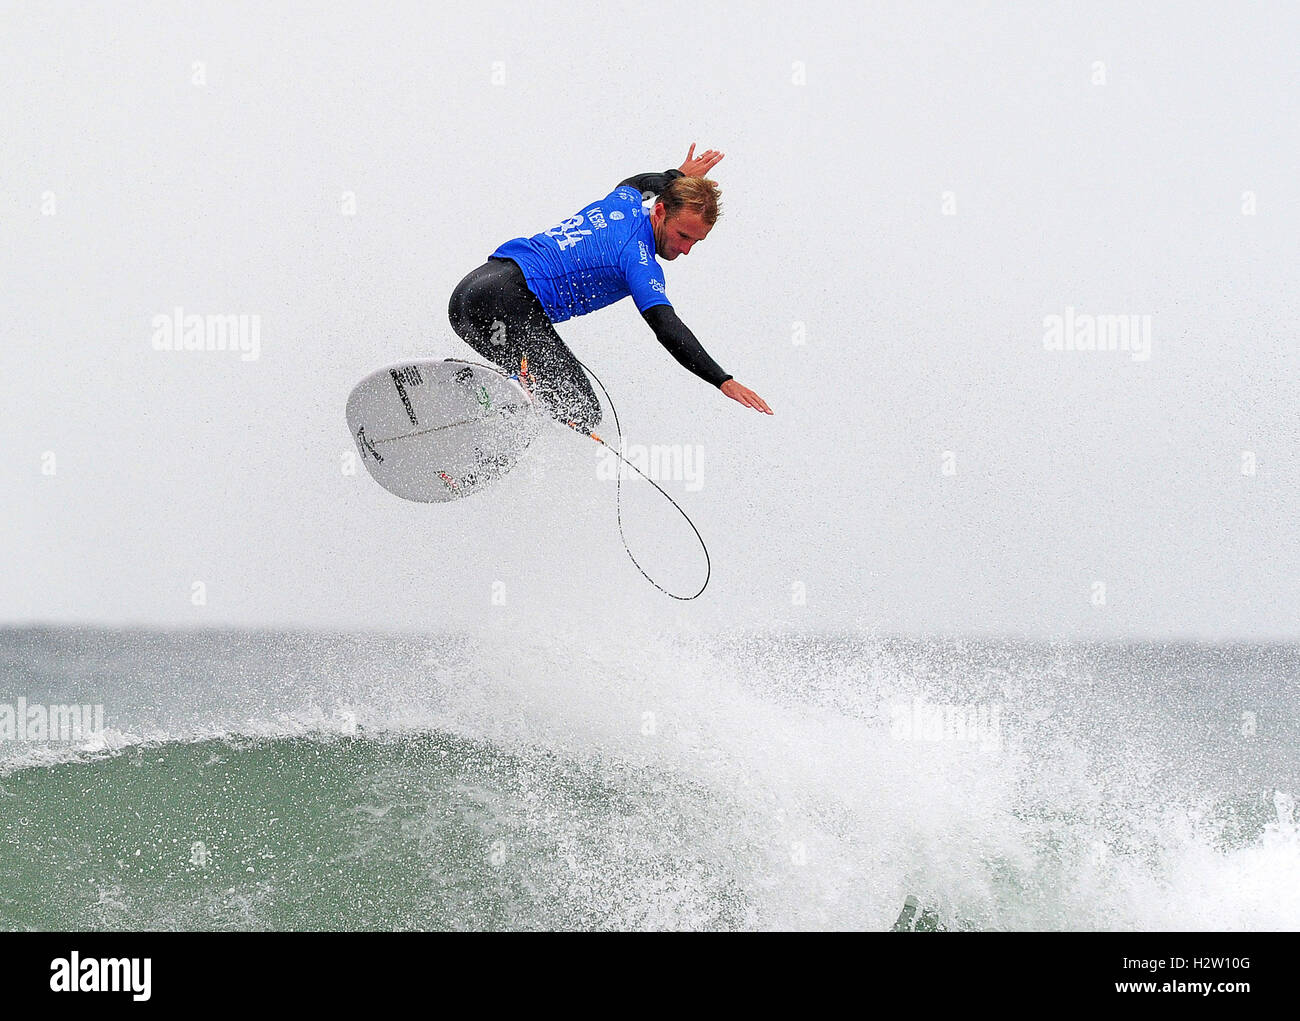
(905, 917)
(910, 921)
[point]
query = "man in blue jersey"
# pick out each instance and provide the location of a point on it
(506, 309)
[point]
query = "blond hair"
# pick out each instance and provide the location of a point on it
(697, 194)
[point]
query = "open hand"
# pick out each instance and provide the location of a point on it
(699, 166)
(745, 395)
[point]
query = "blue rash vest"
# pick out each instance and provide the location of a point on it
(597, 256)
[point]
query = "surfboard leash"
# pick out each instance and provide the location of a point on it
(618, 499)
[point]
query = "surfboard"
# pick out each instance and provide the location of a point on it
(434, 431)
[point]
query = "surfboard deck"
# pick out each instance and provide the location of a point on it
(435, 431)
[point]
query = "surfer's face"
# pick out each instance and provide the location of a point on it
(676, 236)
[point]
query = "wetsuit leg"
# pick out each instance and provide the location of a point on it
(495, 313)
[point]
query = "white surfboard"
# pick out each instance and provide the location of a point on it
(436, 431)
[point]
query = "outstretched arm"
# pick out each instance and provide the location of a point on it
(682, 344)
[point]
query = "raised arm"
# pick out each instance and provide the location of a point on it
(652, 184)
(692, 166)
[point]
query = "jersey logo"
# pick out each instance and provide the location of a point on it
(614, 214)
(566, 234)
(645, 254)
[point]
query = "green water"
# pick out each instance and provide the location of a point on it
(425, 832)
(755, 783)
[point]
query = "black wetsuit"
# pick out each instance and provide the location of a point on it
(495, 313)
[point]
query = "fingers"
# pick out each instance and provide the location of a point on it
(749, 399)
(700, 165)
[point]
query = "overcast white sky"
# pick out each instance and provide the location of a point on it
(1098, 157)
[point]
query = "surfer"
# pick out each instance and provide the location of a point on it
(506, 309)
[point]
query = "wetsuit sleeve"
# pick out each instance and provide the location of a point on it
(682, 345)
(652, 184)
